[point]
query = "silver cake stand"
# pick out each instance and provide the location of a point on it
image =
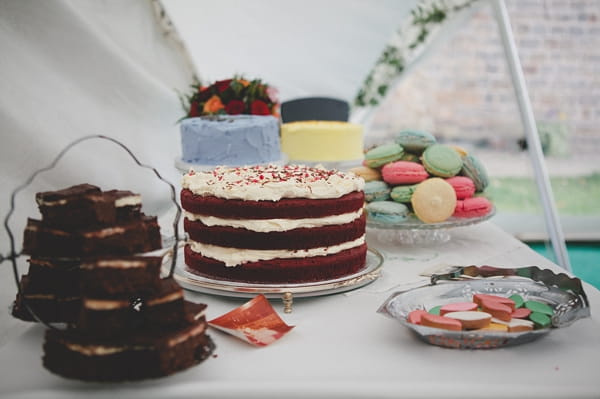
(286, 292)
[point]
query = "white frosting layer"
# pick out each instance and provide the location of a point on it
(99, 350)
(268, 225)
(115, 264)
(130, 200)
(237, 256)
(272, 183)
(109, 231)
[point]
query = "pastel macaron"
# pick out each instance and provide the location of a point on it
(376, 190)
(463, 186)
(434, 200)
(410, 157)
(472, 207)
(415, 141)
(386, 212)
(403, 193)
(474, 169)
(403, 172)
(382, 154)
(460, 150)
(442, 160)
(368, 174)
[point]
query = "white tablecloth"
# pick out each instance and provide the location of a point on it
(340, 347)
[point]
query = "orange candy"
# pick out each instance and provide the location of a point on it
(496, 309)
(478, 298)
(415, 316)
(521, 313)
(446, 323)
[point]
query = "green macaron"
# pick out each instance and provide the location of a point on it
(442, 160)
(380, 155)
(387, 212)
(414, 141)
(376, 190)
(403, 193)
(410, 157)
(474, 169)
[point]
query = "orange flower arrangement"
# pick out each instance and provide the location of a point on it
(232, 97)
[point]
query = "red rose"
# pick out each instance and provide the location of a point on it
(235, 107)
(222, 85)
(204, 94)
(259, 108)
(194, 111)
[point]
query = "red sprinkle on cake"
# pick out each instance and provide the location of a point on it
(274, 224)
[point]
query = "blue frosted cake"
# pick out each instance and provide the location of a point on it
(233, 140)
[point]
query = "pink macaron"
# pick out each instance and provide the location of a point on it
(472, 207)
(403, 172)
(463, 186)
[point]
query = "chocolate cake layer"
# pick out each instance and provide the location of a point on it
(292, 270)
(288, 208)
(109, 315)
(67, 194)
(301, 238)
(117, 275)
(141, 355)
(128, 205)
(56, 276)
(122, 239)
(85, 206)
(48, 307)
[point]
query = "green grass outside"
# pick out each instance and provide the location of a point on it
(573, 195)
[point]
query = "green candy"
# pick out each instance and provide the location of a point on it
(539, 307)
(435, 310)
(380, 155)
(407, 156)
(403, 193)
(517, 299)
(442, 161)
(540, 320)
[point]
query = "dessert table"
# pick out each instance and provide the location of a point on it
(341, 347)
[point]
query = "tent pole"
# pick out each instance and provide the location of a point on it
(533, 141)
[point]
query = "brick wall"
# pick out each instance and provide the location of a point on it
(463, 91)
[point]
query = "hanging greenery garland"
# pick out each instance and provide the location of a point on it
(408, 41)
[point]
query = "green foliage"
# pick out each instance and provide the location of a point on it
(425, 16)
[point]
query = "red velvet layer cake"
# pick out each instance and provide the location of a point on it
(274, 224)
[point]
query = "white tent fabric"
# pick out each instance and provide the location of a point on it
(304, 48)
(76, 68)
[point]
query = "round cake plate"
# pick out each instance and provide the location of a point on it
(415, 232)
(286, 292)
(185, 167)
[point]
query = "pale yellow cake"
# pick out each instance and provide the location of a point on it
(326, 141)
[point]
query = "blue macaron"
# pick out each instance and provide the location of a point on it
(377, 190)
(474, 169)
(386, 212)
(415, 141)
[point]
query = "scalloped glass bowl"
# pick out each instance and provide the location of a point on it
(412, 231)
(568, 308)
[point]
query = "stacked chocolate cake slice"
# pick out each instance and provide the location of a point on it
(124, 322)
